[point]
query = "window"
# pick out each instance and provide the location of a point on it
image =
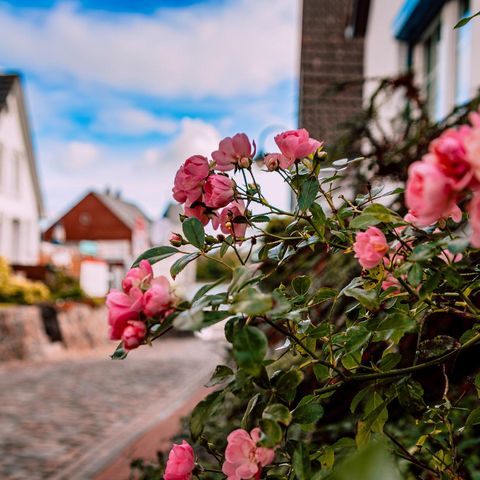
(16, 172)
(462, 64)
(1, 167)
(431, 46)
(15, 252)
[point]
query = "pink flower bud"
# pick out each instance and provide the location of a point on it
(274, 160)
(133, 335)
(176, 240)
(227, 219)
(370, 247)
(180, 463)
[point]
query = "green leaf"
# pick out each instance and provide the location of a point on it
(119, 353)
(260, 219)
(201, 413)
(241, 277)
(196, 318)
(250, 406)
(324, 293)
(155, 254)
(415, 275)
(359, 397)
(206, 288)
(410, 396)
(466, 20)
(473, 418)
(194, 232)
(222, 374)
(308, 192)
(252, 302)
(249, 349)
(228, 242)
(373, 215)
(181, 263)
(301, 462)
(327, 458)
(319, 219)
(308, 410)
(286, 384)
(272, 433)
(368, 298)
(301, 284)
(389, 361)
(422, 252)
(279, 413)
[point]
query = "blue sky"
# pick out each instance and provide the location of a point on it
(121, 92)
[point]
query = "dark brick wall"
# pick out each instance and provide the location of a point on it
(328, 58)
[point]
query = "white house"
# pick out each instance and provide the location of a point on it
(419, 35)
(20, 197)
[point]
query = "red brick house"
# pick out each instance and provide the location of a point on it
(104, 227)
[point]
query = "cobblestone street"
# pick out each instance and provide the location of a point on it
(58, 417)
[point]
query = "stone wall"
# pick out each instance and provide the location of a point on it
(328, 58)
(25, 336)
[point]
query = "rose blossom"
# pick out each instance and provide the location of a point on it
(472, 147)
(227, 217)
(180, 463)
(189, 179)
(133, 334)
(233, 151)
(449, 153)
(198, 211)
(140, 276)
(243, 459)
(158, 298)
(391, 281)
(219, 191)
(296, 144)
(474, 212)
(123, 307)
(429, 193)
(370, 247)
(448, 257)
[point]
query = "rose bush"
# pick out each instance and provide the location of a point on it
(318, 372)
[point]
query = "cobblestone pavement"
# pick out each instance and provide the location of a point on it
(54, 413)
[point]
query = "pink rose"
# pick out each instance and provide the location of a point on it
(233, 151)
(219, 191)
(296, 144)
(474, 212)
(449, 153)
(180, 463)
(198, 211)
(227, 217)
(189, 179)
(391, 281)
(133, 335)
(243, 459)
(472, 147)
(448, 257)
(140, 277)
(429, 193)
(370, 247)
(123, 307)
(158, 298)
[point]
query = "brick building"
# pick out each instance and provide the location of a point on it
(329, 57)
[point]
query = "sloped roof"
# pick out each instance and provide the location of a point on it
(10, 84)
(127, 212)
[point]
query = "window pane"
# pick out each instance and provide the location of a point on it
(462, 65)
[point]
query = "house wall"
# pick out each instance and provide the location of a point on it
(19, 217)
(386, 56)
(327, 59)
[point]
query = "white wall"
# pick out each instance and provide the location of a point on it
(17, 203)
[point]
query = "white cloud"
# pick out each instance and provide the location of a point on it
(133, 121)
(203, 50)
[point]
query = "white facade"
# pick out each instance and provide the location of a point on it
(446, 62)
(19, 195)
